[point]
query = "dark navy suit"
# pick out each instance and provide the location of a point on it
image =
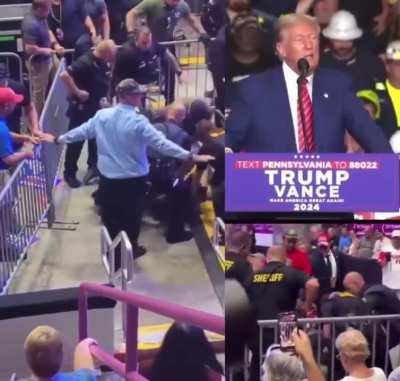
(260, 119)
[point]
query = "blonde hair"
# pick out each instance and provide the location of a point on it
(44, 351)
(353, 345)
(288, 21)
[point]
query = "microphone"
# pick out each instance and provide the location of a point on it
(303, 66)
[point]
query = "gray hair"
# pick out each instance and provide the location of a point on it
(282, 366)
(291, 19)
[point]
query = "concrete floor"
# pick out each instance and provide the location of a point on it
(173, 273)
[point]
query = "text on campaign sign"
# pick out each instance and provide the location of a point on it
(324, 182)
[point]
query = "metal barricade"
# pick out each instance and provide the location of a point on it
(14, 57)
(108, 252)
(197, 82)
(23, 207)
(26, 199)
(218, 237)
(54, 120)
(376, 324)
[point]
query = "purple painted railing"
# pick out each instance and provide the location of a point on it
(135, 301)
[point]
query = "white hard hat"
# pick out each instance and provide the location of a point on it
(343, 27)
(396, 234)
(393, 51)
(395, 142)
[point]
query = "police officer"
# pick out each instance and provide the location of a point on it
(275, 289)
(140, 57)
(237, 250)
(122, 136)
(178, 189)
(87, 80)
(343, 53)
(162, 17)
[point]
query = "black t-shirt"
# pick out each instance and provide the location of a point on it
(236, 267)
(217, 150)
(275, 289)
(363, 10)
(364, 68)
(267, 57)
(92, 75)
(275, 7)
(139, 64)
(14, 120)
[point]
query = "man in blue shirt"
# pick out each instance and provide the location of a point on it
(8, 102)
(122, 136)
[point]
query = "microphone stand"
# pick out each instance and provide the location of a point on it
(302, 115)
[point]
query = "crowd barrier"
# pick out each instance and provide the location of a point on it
(376, 327)
(26, 199)
(218, 239)
(10, 56)
(134, 302)
(197, 83)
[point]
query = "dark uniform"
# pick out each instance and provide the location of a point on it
(364, 68)
(67, 22)
(178, 190)
(266, 27)
(273, 290)
(387, 120)
(143, 65)
(217, 182)
(382, 300)
(92, 75)
(237, 267)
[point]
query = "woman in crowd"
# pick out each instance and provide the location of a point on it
(353, 354)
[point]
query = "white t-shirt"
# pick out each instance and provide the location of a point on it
(378, 375)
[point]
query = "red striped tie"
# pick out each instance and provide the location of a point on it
(306, 134)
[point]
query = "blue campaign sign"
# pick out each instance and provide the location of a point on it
(311, 182)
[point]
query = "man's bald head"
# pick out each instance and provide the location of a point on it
(106, 50)
(277, 254)
(176, 111)
(354, 282)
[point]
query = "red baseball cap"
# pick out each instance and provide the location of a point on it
(323, 240)
(8, 95)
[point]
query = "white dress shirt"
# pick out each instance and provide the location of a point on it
(291, 85)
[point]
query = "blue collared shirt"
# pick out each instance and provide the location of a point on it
(122, 136)
(6, 143)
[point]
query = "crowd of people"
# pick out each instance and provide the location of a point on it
(185, 353)
(327, 271)
(352, 48)
(139, 154)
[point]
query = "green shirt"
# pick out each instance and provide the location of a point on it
(161, 18)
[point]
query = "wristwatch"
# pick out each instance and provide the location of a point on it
(56, 141)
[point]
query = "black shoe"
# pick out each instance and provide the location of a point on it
(72, 182)
(139, 251)
(91, 174)
(182, 237)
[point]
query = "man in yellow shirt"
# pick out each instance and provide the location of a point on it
(389, 91)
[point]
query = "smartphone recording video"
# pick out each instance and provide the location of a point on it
(287, 323)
